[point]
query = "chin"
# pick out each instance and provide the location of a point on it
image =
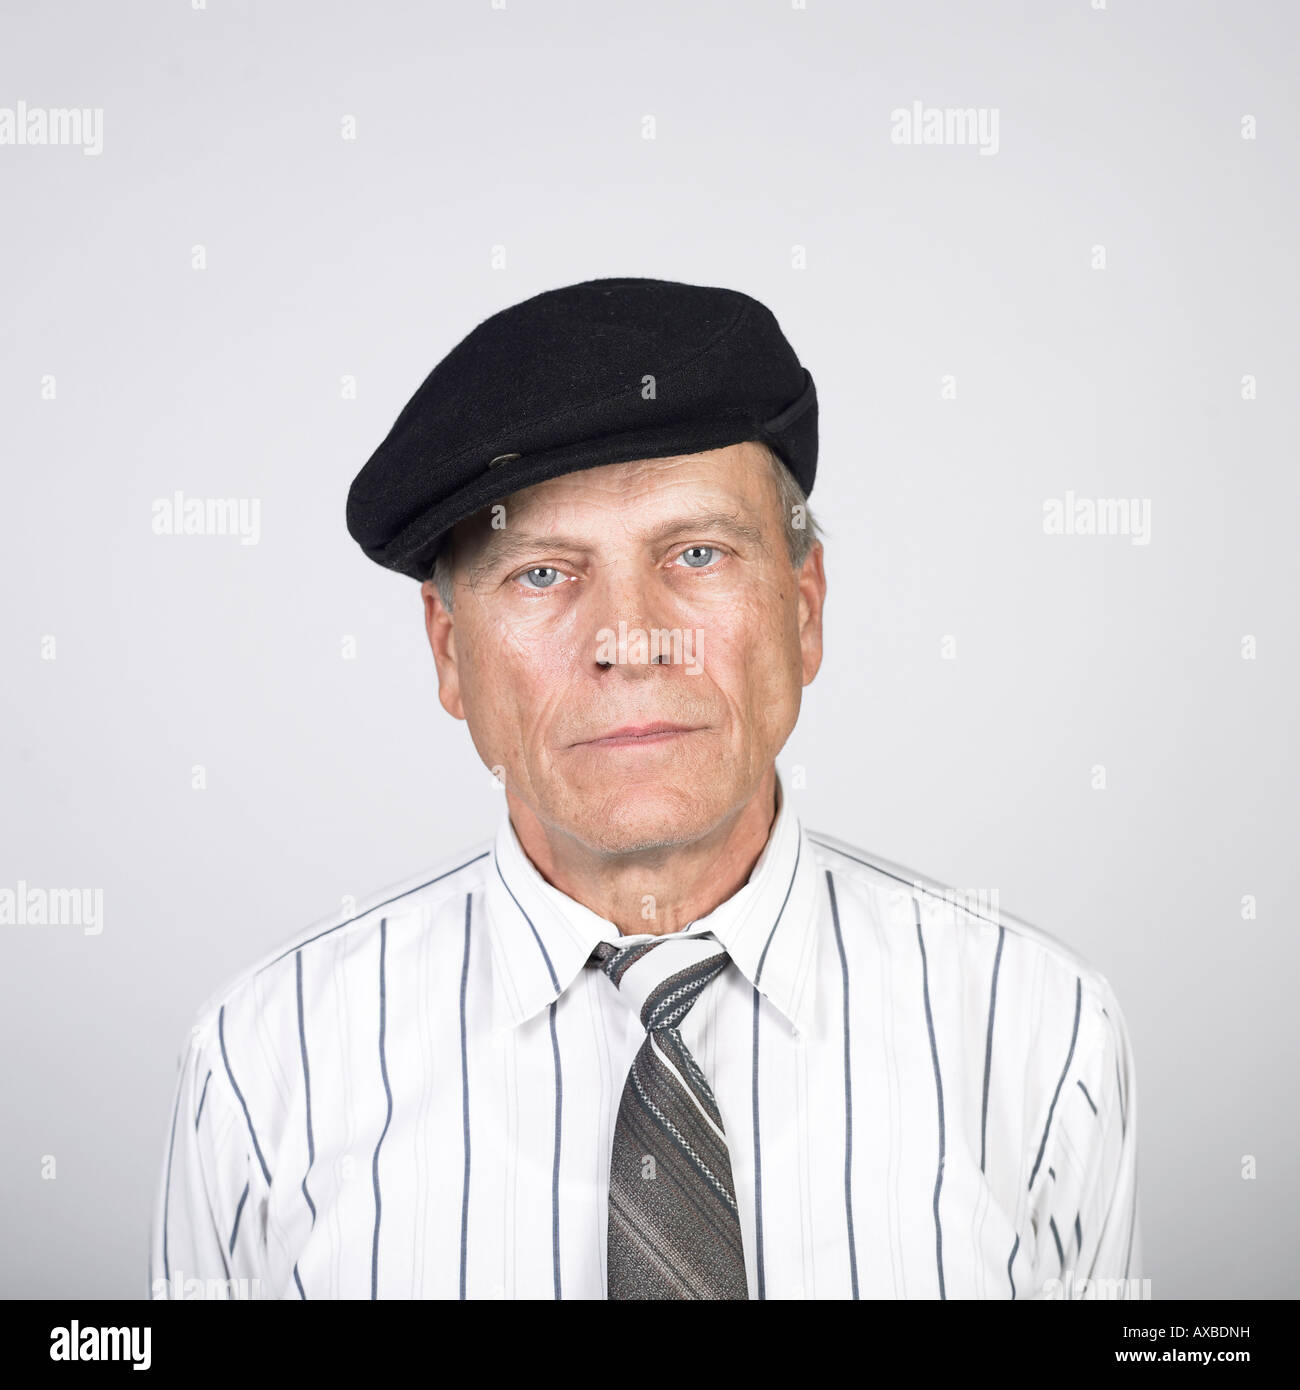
(640, 821)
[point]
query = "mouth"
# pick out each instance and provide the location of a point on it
(638, 736)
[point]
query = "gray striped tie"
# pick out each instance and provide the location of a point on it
(674, 1231)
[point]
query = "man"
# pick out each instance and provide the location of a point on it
(656, 1039)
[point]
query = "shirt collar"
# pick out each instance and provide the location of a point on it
(541, 938)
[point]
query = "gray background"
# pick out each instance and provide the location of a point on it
(522, 129)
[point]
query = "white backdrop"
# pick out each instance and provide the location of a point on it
(187, 308)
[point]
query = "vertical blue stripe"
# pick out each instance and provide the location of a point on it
(204, 1097)
(848, 1091)
(988, 1048)
(248, 1119)
(758, 1147)
(1078, 1232)
(555, 1171)
(464, 1100)
(798, 850)
(306, 1081)
(406, 893)
(1056, 1236)
(1065, 1071)
(938, 1088)
(383, 1071)
(758, 1167)
(239, 1211)
(911, 885)
(555, 979)
(167, 1188)
(1010, 1262)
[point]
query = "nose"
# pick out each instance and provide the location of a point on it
(631, 624)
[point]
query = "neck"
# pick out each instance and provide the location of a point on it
(681, 882)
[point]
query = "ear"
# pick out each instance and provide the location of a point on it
(811, 583)
(441, 627)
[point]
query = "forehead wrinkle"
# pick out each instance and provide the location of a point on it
(505, 545)
(616, 491)
(727, 522)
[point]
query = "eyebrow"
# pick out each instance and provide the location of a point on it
(509, 545)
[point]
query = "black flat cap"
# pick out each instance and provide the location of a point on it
(606, 371)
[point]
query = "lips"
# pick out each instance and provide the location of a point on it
(633, 735)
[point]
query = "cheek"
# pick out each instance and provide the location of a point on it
(750, 650)
(515, 673)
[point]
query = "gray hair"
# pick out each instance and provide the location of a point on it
(801, 528)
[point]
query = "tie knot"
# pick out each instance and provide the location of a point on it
(661, 978)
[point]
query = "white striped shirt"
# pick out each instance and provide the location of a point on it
(921, 1100)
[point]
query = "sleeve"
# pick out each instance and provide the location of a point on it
(204, 1240)
(1084, 1194)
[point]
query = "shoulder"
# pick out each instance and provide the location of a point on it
(969, 924)
(259, 986)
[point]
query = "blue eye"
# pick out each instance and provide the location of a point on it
(540, 577)
(699, 556)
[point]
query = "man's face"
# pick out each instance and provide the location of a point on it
(655, 739)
